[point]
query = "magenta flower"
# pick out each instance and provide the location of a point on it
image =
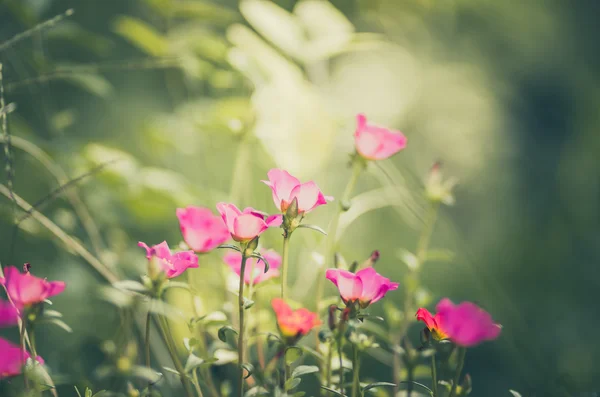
(258, 275)
(366, 286)
(202, 230)
(9, 315)
(248, 224)
(465, 324)
(25, 289)
(11, 359)
(172, 264)
(285, 188)
(376, 143)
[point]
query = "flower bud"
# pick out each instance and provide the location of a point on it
(466, 386)
(251, 247)
(438, 190)
(331, 321)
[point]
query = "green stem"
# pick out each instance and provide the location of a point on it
(341, 365)
(242, 329)
(459, 367)
(166, 335)
(284, 264)
(197, 383)
(355, 370)
(423, 242)
(434, 381)
(328, 364)
(357, 167)
(23, 350)
(147, 343)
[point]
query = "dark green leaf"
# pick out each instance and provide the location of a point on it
(292, 354)
(222, 334)
(313, 227)
(304, 370)
(261, 258)
(419, 385)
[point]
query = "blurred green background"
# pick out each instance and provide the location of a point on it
(198, 100)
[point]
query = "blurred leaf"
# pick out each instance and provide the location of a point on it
(57, 322)
(222, 334)
(248, 303)
(276, 24)
(164, 309)
(304, 370)
(408, 258)
(514, 393)
(291, 383)
(142, 35)
(377, 384)
(92, 83)
(192, 363)
(292, 354)
(130, 285)
(416, 384)
(330, 390)
(249, 369)
(177, 284)
(146, 373)
(440, 255)
(52, 313)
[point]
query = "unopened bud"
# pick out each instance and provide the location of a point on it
(251, 247)
(466, 386)
(26, 267)
(370, 261)
(438, 190)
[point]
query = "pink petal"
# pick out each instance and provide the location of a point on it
(375, 286)
(309, 196)
(274, 220)
(8, 314)
(425, 316)
(10, 359)
(201, 229)
(248, 226)
(149, 251)
(180, 262)
(55, 288)
(377, 143)
(228, 213)
(349, 286)
(162, 250)
(282, 184)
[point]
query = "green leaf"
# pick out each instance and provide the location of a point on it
(230, 246)
(58, 323)
(419, 385)
(292, 354)
(192, 363)
(52, 314)
(304, 370)
(313, 227)
(249, 370)
(248, 303)
(178, 284)
(141, 35)
(377, 384)
(77, 391)
(514, 393)
(439, 255)
(146, 373)
(261, 258)
(222, 334)
(330, 390)
(291, 383)
(92, 83)
(130, 285)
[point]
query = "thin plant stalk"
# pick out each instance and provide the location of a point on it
(422, 247)
(23, 350)
(434, 381)
(284, 264)
(147, 339)
(328, 364)
(165, 333)
(355, 371)
(459, 367)
(242, 325)
(196, 383)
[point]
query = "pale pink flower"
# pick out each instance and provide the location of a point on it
(9, 315)
(376, 143)
(202, 230)
(172, 264)
(25, 289)
(255, 269)
(248, 224)
(11, 359)
(285, 188)
(366, 286)
(465, 324)
(293, 323)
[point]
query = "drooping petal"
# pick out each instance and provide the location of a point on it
(309, 196)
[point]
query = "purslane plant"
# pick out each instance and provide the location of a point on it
(345, 332)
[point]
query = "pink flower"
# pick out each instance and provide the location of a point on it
(202, 230)
(9, 315)
(376, 143)
(248, 224)
(285, 187)
(367, 286)
(11, 359)
(293, 323)
(465, 324)
(25, 289)
(172, 264)
(258, 275)
(433, 323)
